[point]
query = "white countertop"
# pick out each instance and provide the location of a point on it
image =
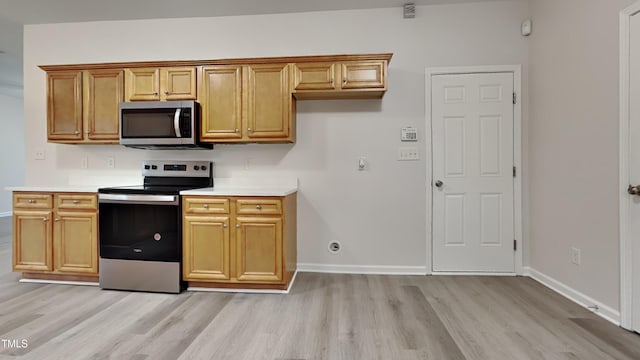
(222, 187)
(242, 191)
(58, 188)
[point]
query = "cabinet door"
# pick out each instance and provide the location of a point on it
(103, 91)
(364, 75)
(259, 249)
(314, 76)
(142, 84)
(32, 241)
(178, 83)
(64, 105)
(206, 248)
(268, 102)
(76, 242)
(221, 100)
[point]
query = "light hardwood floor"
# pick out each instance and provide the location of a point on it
(327, 316)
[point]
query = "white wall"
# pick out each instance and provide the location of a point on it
(573, 137)
(11, 149)
(378, 215)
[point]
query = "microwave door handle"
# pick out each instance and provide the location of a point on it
(176, 123)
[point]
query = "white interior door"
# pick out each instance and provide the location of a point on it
(473, 191)
(634, 161)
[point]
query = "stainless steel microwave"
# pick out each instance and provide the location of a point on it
(161, 125)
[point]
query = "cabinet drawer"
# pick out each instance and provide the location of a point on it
(76, 201)
(259, 206)
(32, 200)
(206, 205)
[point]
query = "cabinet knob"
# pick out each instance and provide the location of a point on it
(31, 201)
(166, 92)
(206, 206)
(237, 130)
(45, 219)
(249, 129)
(238, 226)
(77, 132)
(344, 80)
(76, 202)
(259, 207)
(225, 225)
(57, 220)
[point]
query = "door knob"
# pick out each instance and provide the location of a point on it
(633, 190)
(439, 184)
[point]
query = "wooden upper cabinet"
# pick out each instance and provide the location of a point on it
(364, 75)
(160, 84)
(366, 79)
(82, 106)
(178, 83)
(103, 92)
(249, 103)
(64, 105)
(269, 103)
(221, 102)
(315, 76)
(142, 84)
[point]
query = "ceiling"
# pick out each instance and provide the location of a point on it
(14, 14)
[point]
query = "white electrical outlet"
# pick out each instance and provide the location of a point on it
(408, 154)
(39, 154)
(576, 257)
(111, 162)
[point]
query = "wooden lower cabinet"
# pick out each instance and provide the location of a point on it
(55, 233)
(225, 248)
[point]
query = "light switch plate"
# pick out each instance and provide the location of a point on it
(408, 154)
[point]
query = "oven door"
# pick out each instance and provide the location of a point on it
(140, 227)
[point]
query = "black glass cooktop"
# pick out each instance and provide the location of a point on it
(147, 189)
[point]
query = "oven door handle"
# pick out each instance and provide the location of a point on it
(139, 199)
(176, 123)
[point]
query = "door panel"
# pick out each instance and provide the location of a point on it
(221, 97)
(259, 249)
(64, 92)
(142, 84)
(634, 160)
(472, 130)
(33, 241)
(76, 235)
(104, 90)
(206, 248)
(269, 101)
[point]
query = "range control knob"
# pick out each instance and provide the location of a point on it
(203, 167)
(154, 167)
(196, 167)
(147, 167)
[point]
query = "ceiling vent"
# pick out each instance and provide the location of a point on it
(409, 10)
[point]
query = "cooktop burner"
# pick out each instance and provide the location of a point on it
(163, 177)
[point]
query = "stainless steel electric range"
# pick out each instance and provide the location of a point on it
(141, 227)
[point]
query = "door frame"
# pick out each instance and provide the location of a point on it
(517, 156)
(626, 242)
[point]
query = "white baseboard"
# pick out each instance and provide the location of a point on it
(6, 213)
(363, 269)
(596, 307)
(246, 291)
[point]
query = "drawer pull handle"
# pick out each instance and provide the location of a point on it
(31, 201)
(76, 202)
(206, 206)
(259, 207)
